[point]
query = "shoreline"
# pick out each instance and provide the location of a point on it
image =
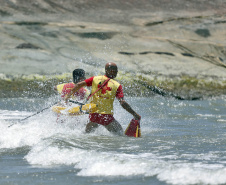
(181, 88)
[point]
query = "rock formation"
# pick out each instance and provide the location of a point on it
(172, 49)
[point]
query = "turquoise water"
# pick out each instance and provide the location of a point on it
(183, 142)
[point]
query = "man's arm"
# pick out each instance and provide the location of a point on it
(128, 108)
(74, 89)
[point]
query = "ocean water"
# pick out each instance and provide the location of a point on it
(183, 142)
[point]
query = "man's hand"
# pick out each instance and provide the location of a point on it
(137, 116)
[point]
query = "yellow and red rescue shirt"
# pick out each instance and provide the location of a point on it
(65, 89)
(104, 98)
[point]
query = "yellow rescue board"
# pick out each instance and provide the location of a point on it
(75, 110)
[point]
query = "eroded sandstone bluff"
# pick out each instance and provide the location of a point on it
(175, 49)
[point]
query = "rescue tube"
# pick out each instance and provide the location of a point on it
(90, 107)
(133, 129)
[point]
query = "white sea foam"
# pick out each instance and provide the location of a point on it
(10, 115)
(222, 120)
(206, 115)
(96, 163)
(32, 130)
(194, 173)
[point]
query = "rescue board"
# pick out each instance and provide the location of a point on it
(90, 107)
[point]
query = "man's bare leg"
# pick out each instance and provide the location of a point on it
(91, 127)
(115, 128)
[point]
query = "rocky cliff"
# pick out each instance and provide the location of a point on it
(171, 48)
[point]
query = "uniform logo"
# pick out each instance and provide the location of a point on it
(105, 88)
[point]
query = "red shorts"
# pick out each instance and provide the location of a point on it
(102, 119)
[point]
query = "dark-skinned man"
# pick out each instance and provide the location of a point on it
(104, 98)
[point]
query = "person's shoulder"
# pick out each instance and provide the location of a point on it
(90, 78)
(69, 85)
(61, 84)
(59, 87)
(115, 82)
(99, 76)
(89, 81)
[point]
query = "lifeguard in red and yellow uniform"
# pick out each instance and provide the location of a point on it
(104, 98)
(65, 88)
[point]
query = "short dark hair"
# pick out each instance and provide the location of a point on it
(77, 74)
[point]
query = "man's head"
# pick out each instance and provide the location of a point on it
(111, 70)
(78, 75)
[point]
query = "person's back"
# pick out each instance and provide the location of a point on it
(104, 91)
(104, 98)
(78, 96)
(65, 88)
